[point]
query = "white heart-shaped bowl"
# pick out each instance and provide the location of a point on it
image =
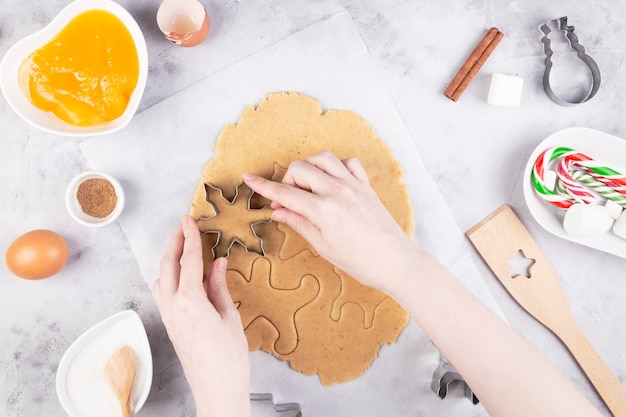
(10, 65)
(81, 369)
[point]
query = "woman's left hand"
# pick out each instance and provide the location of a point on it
(204, 326)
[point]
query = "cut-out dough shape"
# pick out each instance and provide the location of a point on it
(334, 352)
(286, 302)
(234, 221)
(263, 333)
(293, 244)
(257, 200)
(279, 172)
(352, 292)
(282, 128)
(286, 273)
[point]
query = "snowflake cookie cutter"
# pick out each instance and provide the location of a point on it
(279, 407)
(222, 248)
(445, 375)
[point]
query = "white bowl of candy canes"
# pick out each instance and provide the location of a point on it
(575, 187)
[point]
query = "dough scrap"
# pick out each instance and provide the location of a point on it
(319, 319)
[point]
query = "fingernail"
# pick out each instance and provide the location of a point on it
(248, 176)
(184, 221)
(278, 216)
(221, 264)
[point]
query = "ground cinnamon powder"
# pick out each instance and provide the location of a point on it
(97, 197)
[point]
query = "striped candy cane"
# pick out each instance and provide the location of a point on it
(599, 187)
(572, 187)
(556, 198)
(581, 179)
(603, 173)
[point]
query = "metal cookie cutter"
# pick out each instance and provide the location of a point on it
(446, 374)
(280, 408)
(580, 52)
(257, 247)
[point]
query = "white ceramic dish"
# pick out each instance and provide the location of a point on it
(595, 144)
(142, 352)
(10, 64)
(74, 208)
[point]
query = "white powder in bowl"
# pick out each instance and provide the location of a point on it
(87, 387)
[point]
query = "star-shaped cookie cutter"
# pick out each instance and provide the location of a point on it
(258, 249)
(580, 52)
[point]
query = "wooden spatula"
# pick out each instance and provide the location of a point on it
(120, 372)
(498, 238)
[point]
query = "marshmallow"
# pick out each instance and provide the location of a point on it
(587, 220)
(613, 208)
(619, 228)
(505, 90)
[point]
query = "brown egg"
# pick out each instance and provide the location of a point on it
(37, 254)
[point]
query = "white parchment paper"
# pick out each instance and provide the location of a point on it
(159, 157)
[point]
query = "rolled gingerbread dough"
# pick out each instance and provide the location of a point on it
(293, 303)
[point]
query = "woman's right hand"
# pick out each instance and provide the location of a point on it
(331, 204)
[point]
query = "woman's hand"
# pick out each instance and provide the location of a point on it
(204, 326)
(331, 204)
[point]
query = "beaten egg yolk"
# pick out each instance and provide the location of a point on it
(87, 73)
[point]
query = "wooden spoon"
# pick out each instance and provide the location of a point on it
(120, 371)
(498, 238)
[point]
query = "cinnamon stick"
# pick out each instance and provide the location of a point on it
(473, 63)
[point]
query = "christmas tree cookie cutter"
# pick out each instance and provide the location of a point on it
(561, 24)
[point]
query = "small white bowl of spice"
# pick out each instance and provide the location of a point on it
(94, 199)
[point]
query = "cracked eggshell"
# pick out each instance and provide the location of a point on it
(185, 23)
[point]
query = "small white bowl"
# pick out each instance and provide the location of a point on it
(48, 122)
(76, 211)
(100, 353)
